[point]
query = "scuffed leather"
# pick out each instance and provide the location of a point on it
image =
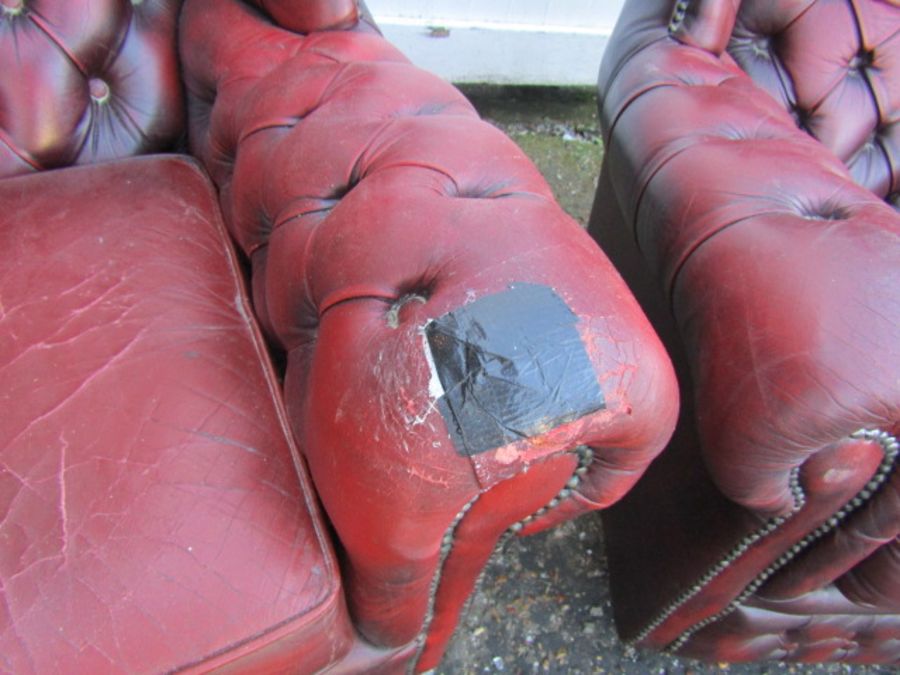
(153, 516)
(780, 306)
(86, 81)
(695, 115)
(370, 199)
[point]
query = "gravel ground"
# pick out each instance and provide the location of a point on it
(543, 607)
(543, 604)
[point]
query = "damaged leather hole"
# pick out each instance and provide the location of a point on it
(512, 366)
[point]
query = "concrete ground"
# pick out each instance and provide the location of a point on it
(543, 604)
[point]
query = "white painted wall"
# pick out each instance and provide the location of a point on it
(502, 41)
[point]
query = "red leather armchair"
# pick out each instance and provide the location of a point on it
(751, 150)
(456, 360)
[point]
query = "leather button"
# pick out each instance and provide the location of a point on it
(99, 90)
(12, 7)
(762, 47)
(861, 61)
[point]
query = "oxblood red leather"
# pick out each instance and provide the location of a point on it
(310, 16)
(750, 148)
(371, 200)
(153, 517)
(454, 345)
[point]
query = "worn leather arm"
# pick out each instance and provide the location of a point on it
(782, 272)
(462, 360)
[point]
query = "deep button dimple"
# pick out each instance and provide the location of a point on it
(762, 47)
(861, 60)
(12, 7)
(822, 212)
(801, 117)
(482, 191)
(393, 314)
(341, 191)
(732, 132)
(875, 141)
(99, 90)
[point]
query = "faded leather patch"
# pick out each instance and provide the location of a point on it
(512, 366)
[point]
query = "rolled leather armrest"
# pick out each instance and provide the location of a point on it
(781, 272)
(462, 361)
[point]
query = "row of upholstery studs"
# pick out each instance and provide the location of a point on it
(890, 447)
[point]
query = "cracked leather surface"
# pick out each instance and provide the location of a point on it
(151, 515)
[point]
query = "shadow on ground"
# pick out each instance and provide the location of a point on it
(543, 604)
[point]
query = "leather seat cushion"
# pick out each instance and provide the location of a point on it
(152, 516)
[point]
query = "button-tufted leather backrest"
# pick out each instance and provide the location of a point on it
(836, 67)
(84, 81)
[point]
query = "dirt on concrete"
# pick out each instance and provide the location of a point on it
(543, 604)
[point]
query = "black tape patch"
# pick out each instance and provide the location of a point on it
(512, 366)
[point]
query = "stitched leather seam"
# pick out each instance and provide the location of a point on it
(880, 108)
(21, 154)
(890, 447)
(585, 458)
(54, 38)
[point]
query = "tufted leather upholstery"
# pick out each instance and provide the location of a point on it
(463, 364)
(835, 66)
(102, 81)
(741, 138)
(832, 65)
(371, 201)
